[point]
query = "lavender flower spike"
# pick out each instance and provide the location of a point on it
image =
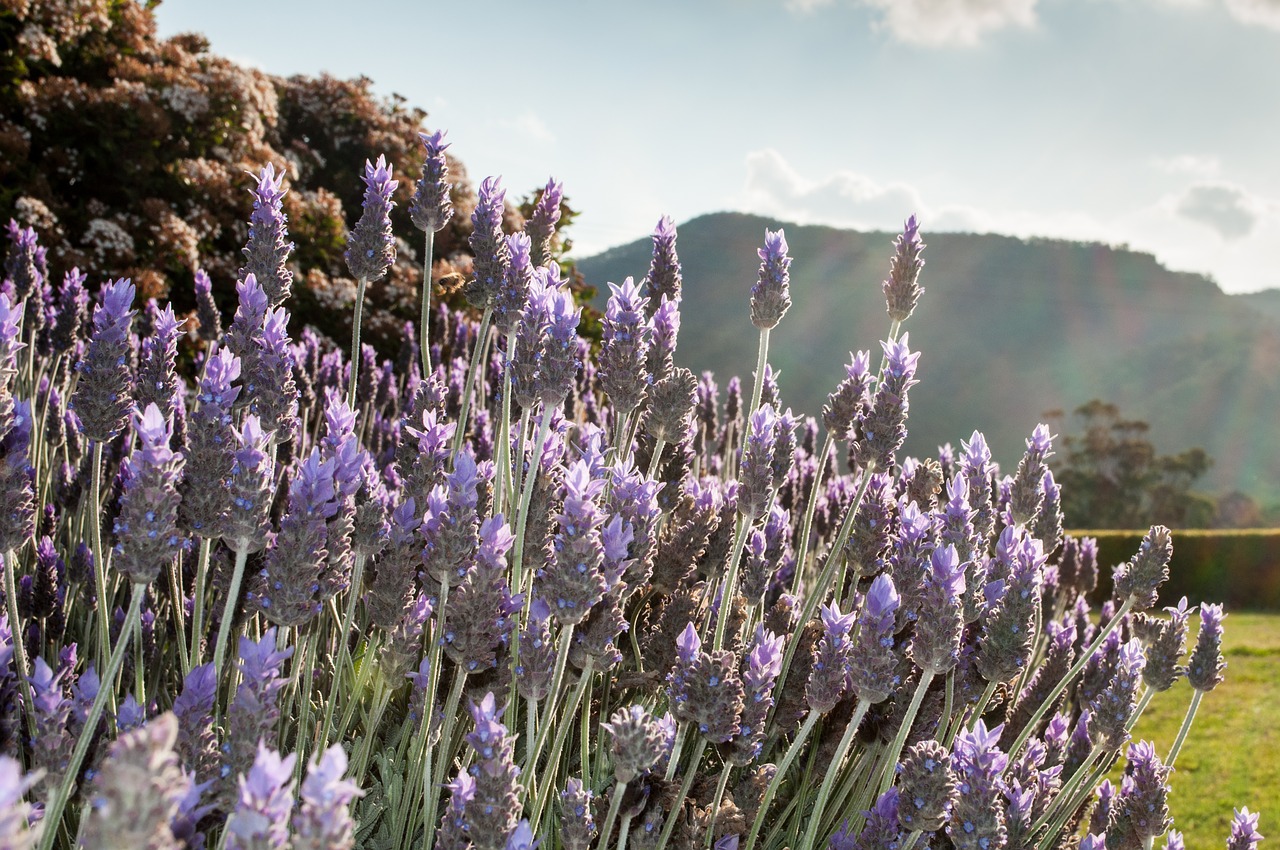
(267, 251)
(322, 821)
(1205, 666)
(19, 830)
(541, 226)
(1140, 578)
(432, 207)
(487, 244)
(10, 344)
(371, 247)
(73, 312)
(771, 296)
(901, 291)
(873, 662)
(664, 269)
(1244, 831)
(136, 793)
(883, 428)
(624, 353)
(260, 820)
(147, 527)
(104, 392)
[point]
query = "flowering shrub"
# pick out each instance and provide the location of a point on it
(510, 588)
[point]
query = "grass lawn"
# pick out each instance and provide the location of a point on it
(1232, 756)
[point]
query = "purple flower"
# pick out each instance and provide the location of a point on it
(269, 387)
(197, 744)
(771, 296)
(872, 660)
(210, 447)
(157, 378)
(637, 742)
(665, 329)
(883, 427)
(487, 244)
(288, 586)
(1027, 492)
(577, 821)
(247, 523)
(664, 268)
(432, 207)
(541, 226)
(371, 246)
(625, 348)
(559, 365)
(1142, 811)
(935, 647)
(260, 819)
(848, 401)
(267, 251)
(147, 526)
(322, 821)
(977, 817)
(829, 669)
(246, 325)
(494, 810)
(1140, 578)
(23, 261)
(760, 673)
(1244, 831)
(901, 290)
(572, 580)
(208, 317)
(103, 395)
(512, 296)
(756, 472)
(136, 793)
(1111, 710)
(255, 712)
(1205, 666)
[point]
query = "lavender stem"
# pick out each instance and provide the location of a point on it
(228, 611)
(361, 283)
(1186, 727)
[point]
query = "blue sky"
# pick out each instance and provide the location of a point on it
(1152, 123)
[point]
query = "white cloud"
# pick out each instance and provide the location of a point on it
(1197, 165)
(1228, 210)
(529, 125)
(951, 23)
(1264, 13)
(806, 6)
(1209, 227)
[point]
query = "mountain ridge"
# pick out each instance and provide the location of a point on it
(1008, 328)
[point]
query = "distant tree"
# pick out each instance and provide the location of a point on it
(132, 155)
(1112, 476)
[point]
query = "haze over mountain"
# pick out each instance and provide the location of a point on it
(1009, 328)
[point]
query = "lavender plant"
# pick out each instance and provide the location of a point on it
(532, 591)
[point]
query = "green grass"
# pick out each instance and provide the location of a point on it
(1232, 756)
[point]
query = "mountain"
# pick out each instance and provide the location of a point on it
(1008, 329)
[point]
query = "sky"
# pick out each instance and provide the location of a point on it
(1147, 123)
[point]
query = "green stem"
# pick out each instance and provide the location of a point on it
(197, 609)
(424, 325)
(658, 446)
(807, 528)
(1196, 696)
(723, 782)
(900, 740)
(432, 792)
(19, 644)
(477, 365)
(678, 805)
(833, 770)
(526, 496)
(179, 615)
(615, 803)
(99, 558)
(562, 734)
(761, 358)
(814, 597)
(371, 732)
(344, 651)
(776, 782)
(548, 712)
(503, 492)
(731, 581)
(56, 805)
(355, 341)
(1030, 728)
(228, 612)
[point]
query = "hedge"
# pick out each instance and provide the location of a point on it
(1238, 567)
